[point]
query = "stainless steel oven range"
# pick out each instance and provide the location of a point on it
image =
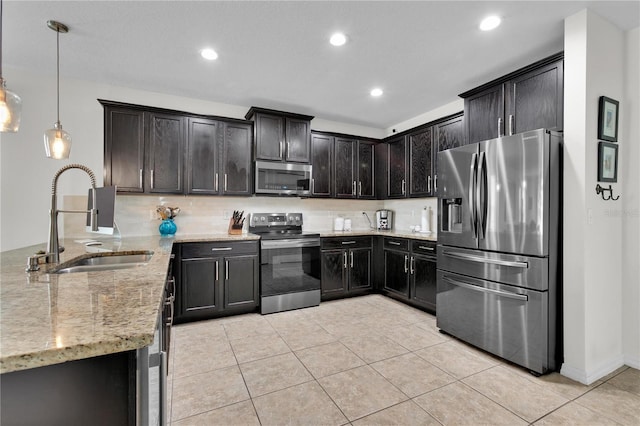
(289, 262)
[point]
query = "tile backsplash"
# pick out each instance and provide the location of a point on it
(136, 214)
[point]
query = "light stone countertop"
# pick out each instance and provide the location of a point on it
(365, 232)
(48, 319)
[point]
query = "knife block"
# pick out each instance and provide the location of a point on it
(234, 229)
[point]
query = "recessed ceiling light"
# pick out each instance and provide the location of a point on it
(338, 39)
(490, 22)
(376, 92)
(209, 54)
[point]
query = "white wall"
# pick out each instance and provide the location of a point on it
(448, 109)
(25, 173)
(593, 237)
(631, 202)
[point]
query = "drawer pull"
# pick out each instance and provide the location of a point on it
(395, 243)
(348, 242)
(522, 297)
(426, 248)
(221, 248)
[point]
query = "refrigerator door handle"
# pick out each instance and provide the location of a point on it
(499, 293)
(472, 194)
(481, 196)
(471, 258)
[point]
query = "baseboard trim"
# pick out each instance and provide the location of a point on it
(632, 361)
(588, 377)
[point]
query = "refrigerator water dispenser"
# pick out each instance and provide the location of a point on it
(452, 214)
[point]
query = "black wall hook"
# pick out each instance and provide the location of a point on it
(601, 190)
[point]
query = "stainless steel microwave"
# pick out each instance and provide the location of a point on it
(283, 178)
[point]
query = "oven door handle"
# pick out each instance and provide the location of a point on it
(290, 243)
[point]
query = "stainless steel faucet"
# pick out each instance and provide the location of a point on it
(53, 246)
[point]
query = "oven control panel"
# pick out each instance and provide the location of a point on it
(275, 219)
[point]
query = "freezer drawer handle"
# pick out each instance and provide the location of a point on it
(516, 296)
(470, 258)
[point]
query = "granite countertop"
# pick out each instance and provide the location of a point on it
(364, 232)
(47, 319)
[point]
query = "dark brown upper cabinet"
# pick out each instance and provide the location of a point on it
(410, 164)
(420, 163)
(343, 166)
(321, 162)
(152, 150)
(165, 156)
(281, 136)
(527, 99)
(124, 148)
(218, 157)
(447, 134)
(397, 168)
(410, 158)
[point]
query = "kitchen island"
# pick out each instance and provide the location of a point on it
(72, 338)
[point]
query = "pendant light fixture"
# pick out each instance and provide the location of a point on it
(10, 103)
(57, 142)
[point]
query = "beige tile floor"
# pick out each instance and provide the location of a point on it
(369, 361)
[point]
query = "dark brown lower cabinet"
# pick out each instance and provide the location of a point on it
(346, 266)
(217, 278)
(410, 271)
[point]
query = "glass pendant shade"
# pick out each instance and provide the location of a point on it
(10, 109)
(57, 142)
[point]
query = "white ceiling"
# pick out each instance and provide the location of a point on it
(276, 54)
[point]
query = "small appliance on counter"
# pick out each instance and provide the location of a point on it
(384, 220)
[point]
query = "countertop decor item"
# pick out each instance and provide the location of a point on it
(168, 226)
(236, 223)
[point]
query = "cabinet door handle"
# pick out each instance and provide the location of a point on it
(413, 261)
(360, 188)
(288, 149)
(313, 186)
(351, 259)
(500, 134)
(152, 186)
(435, 182)
(217, 268)
(395, 243)
(353, 188)
(406, 263)
(225, 182)
(215, 182)
(404, 189)
(226, 270)
(140, 178)
(428, 183)
(281, 149)
(344, 262)
(511, 124)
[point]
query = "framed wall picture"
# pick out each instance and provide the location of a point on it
(608, 119)
(607, 162)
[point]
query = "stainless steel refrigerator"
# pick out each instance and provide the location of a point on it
(499, 231)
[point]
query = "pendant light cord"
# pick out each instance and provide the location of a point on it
(1, 28)
(58, 72)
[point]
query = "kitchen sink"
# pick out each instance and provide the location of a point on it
(104, 262)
